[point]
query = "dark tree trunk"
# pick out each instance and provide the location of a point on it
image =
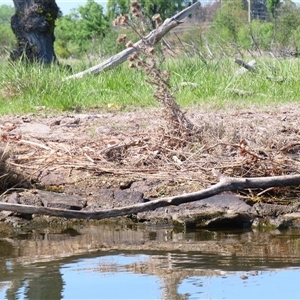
(33, 25)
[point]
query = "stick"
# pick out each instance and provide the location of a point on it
(35, 144)
(245, 66)
(225, 184)
(249, 66)
(152, 38)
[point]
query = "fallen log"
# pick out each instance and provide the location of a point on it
(152, 38)
(250, 66)
(224, 184)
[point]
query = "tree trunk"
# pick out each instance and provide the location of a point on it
(33, 25)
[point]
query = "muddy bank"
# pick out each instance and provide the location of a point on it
(102, 161)
(220, 211)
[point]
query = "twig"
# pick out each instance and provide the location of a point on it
(289, 147)
(265, 191)
(89, 158)
(35, 144)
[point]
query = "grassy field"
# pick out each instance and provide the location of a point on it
(28, 88)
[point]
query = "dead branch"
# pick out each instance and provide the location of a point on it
(152, 38)
(249, 66)
(224, 184)
(290, 147)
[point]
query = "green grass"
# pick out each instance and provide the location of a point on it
(26, 88)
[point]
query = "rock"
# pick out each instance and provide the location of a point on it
(229, 202)
(39, 130)
(14, 199)
(30, 197)
(34, 129)
(100, 200)
(220, 211)
(290, 220)
(230, 220)
(281, 222)
(132, 197)
(55, 177)
(109, 198)
(60, 200)
(272, 210)
(274, 215)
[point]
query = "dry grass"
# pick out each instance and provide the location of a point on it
(9, 178)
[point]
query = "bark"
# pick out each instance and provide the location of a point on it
(225, 184)
(33, 25)
(151, 39)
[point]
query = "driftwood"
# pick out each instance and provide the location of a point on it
(225, 184)
(152, 38)
(250, 66)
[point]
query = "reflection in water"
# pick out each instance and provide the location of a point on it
(38, 285)
(119, 262)
(27, 281)
(282, 284)
(106, 278)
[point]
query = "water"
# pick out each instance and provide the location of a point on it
(120, 262)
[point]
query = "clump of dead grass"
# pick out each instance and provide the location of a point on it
(8, 177)
(4, 174)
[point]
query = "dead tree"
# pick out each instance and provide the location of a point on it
(151, 39)
(33, 25)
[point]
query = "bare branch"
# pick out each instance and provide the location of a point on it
(225, 184)
(250, 66)
(152, 38)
